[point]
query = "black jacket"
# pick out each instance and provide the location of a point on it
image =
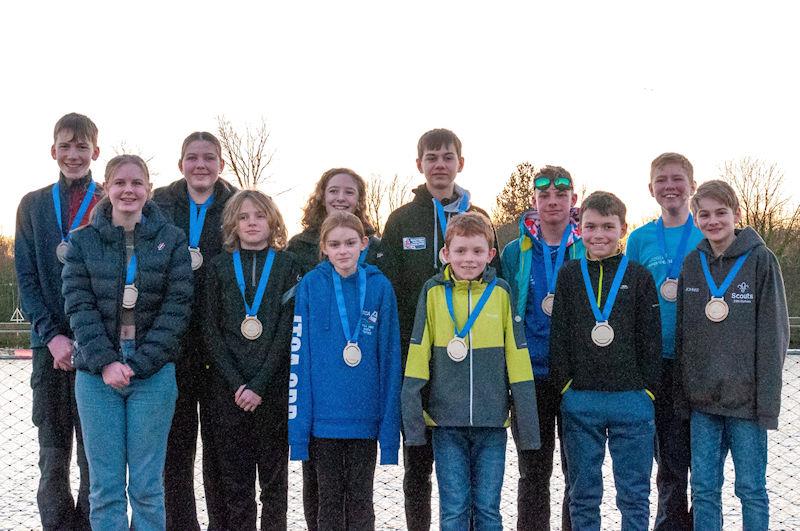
(633, 360)
(305, 246)
(93, 282)
(732, 368)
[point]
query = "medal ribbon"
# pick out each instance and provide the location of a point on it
(87, 199)
(448, 291)
(130, 272)
(197, 217)
(603, 316)
(676, 261)
(340, 302)
(443, 217)
(550, 270)
(719, 292)
(262, 283)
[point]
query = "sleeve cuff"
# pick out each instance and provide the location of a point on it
(389, 455)
(299, 451)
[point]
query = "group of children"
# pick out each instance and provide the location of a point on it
(151, 316)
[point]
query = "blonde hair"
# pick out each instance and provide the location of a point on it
(469, 224)
(717, 190)
(263, 202)
(667, 158)
(314, 213)
(111, 168)
(336, 220)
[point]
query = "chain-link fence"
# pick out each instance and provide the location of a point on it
(19, 473)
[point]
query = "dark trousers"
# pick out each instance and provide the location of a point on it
(55, 415)
(345, 473)
(310, 494)
(179, 500)
(673, 456)
(418, 464)
(252, 441)
(536, 466)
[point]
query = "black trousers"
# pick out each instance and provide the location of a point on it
(55, 416)
(310, 494)
(255, 441)
(193, 381)
(345, 474)
(673, 454)
(536, 466)
(418, 464)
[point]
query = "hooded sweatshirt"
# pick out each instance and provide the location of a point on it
(732, 368)
(305, 246)
(328, 398)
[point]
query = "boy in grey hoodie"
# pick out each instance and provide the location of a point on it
(731, 339)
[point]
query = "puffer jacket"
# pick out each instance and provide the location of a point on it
(94, 279)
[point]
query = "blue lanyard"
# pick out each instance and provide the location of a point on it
(130, 272)
(603, 316)
(87, 199)
(197, 217)
(448, 291)
(443, 217)
(719, 292)
(340, 302)
(549, 274)
(676, 261)
(262, 283)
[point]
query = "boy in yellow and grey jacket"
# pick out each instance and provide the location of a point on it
(466, 355)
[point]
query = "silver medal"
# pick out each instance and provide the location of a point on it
(129, 296)
(351, 354)
(717, 309)
(197, 258)
(547, 304)
(602, 334)
(251, 327)
(669, 290)
(61, 251)
(457, 349)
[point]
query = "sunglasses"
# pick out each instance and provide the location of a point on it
(559, 182)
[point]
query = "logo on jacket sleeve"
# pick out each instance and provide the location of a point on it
(414, 243)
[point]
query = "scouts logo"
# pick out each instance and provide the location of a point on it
(742, 296)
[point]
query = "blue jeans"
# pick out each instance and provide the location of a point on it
(626, 420)
(712, 437)
(126, 431)
(470, 463)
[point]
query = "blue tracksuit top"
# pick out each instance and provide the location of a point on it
(643, 247)
(327, 398)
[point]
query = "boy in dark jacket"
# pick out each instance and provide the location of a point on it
(605, 348)
(732, 337)
(45, 219)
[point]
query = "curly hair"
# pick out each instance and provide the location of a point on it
(230, 219)
(314, 213)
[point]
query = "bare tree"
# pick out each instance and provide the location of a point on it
(124, 149)
(245, 154)
(766, 206)
(515, 198)
(383, 197)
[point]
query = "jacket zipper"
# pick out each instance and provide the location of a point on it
(469, 311)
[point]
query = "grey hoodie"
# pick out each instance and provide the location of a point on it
(732, 368)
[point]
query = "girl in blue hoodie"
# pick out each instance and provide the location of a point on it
(344, 386)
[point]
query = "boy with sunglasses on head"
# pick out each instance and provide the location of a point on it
(549, 236)
(661, 246)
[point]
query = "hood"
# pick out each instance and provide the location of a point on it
(746, 240)
(446, 276)
(326, 267)
(529, 227)
(177, 191)
(152, 221)
(459, 201)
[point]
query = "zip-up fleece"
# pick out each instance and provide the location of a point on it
(411, 243)
(523, 268)
(305, 246)
(633, 360)
(94, 279)
(732, 368)
(438, 391)
(328, 398)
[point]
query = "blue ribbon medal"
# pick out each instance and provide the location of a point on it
(61, 248)
(716, 308)
(602, 333)
(463, 205)
(669, 288)
(551, 271)
(130, 293)
(457, 347)
(251, 327)
(197, 218)
(351, 352)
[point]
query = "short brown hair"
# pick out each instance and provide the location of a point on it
(338, 219)
(203, 136)
(230, 219)
(314, 213)
(82, 127)
(667, 158)
(553, 172)
(606, 203)
(469, 224)
(437, 138)
(717, 190)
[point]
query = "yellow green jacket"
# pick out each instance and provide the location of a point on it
(480, 391)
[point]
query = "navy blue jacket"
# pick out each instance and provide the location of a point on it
(38, 268)
(93, 281)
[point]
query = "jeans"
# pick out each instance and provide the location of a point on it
(625, 420)
(712, 437)
(126, 431)
(470, 463)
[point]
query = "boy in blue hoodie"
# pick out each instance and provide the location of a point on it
(344, 386)
(548, 237)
